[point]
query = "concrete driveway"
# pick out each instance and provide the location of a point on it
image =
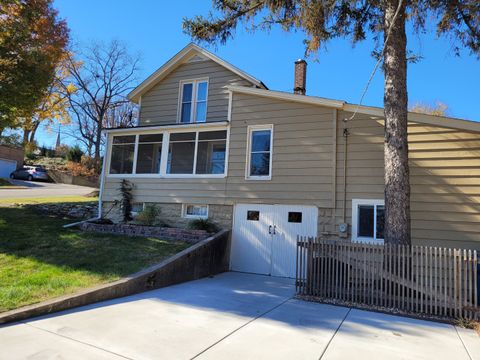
(231, 316)
(34, 189)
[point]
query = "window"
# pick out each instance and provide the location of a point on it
(149, 154)
(171, 153)
(259, 162)
(137, 208)
(181, 153)
(253, 215)
(123, 149)
(195, 211)
(193, 101)
(294, 217)
(211, 152)
(368, 220)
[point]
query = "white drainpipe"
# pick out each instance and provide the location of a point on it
(102, 176)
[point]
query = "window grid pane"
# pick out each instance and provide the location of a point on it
(365, 221)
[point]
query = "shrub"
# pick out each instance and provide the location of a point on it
(126, 188)
(60, 151)
(203, 224)
(75, 154)
(149, 216)
(77, 169)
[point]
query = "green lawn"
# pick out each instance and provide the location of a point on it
(39, 259)
(5, 183)
(45, 200)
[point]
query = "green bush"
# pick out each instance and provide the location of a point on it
(149, 216)
(203, 224)
(75, 154)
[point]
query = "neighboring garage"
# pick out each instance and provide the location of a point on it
(11, 158)
(264, 237)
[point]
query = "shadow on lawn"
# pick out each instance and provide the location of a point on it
(27, 234)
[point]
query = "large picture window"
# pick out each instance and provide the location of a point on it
(193, 101)
(149, 154)
(181, 153)
(259, 162)
(368, 220)
(192, 153)
(123, 150)
(211, 152)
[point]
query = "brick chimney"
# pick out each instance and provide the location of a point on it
(300, 81)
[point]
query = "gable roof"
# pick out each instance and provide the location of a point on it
(448, 122)
(187, 53)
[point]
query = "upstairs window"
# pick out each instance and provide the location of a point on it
(193, 101)
(259, 155)
(368, 220)
(123, 150)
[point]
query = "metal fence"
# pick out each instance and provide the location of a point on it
(416, 279)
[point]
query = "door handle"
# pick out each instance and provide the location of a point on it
(270, 229)
(274, 229)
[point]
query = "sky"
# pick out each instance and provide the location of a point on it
(153, 30)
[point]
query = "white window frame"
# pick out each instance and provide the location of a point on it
(135, 213)
(369, 202)
(187, 216)
(205, 127)
(250, 130)
(193, 111)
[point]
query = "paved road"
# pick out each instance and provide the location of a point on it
(231, 316)
(43, 189)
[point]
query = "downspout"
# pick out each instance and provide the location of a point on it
(334, 169)
(100, 193)
(345, 138)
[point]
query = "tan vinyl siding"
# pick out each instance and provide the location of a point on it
(159, 105)
(302, 152)
(444, 176)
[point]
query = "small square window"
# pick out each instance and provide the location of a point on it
(195, 211)
(368, 220)
(137, 208)
(253, 215)
(294, 217)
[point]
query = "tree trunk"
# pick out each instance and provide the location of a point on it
(26, 136)
(397, 180)
(33, 132)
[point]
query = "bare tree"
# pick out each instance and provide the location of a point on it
(100, 78)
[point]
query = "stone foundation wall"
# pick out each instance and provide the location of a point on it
(172, 215)
(172, 234)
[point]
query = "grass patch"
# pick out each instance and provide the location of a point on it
(39, 259)
(5, 183)
(47, 200)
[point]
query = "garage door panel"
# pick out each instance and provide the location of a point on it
(264, 237)
(290, 221)
(7, 167)
(251, 248)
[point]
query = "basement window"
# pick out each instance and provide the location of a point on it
(368, 220)
(194, 211)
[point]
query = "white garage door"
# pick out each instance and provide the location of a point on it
(6, 167)
(264, 237)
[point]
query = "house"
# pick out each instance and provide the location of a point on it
(213, 141)
(11, 158)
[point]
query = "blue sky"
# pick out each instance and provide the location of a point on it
(153, 29)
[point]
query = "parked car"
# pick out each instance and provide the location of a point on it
(30, 173)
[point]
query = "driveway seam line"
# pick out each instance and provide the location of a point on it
(241, 327)
(78, 341)
(463, 343)
(334, 334)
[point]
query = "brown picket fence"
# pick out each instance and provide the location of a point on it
(435, 281)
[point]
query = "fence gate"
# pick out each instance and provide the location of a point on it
(416, 279)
